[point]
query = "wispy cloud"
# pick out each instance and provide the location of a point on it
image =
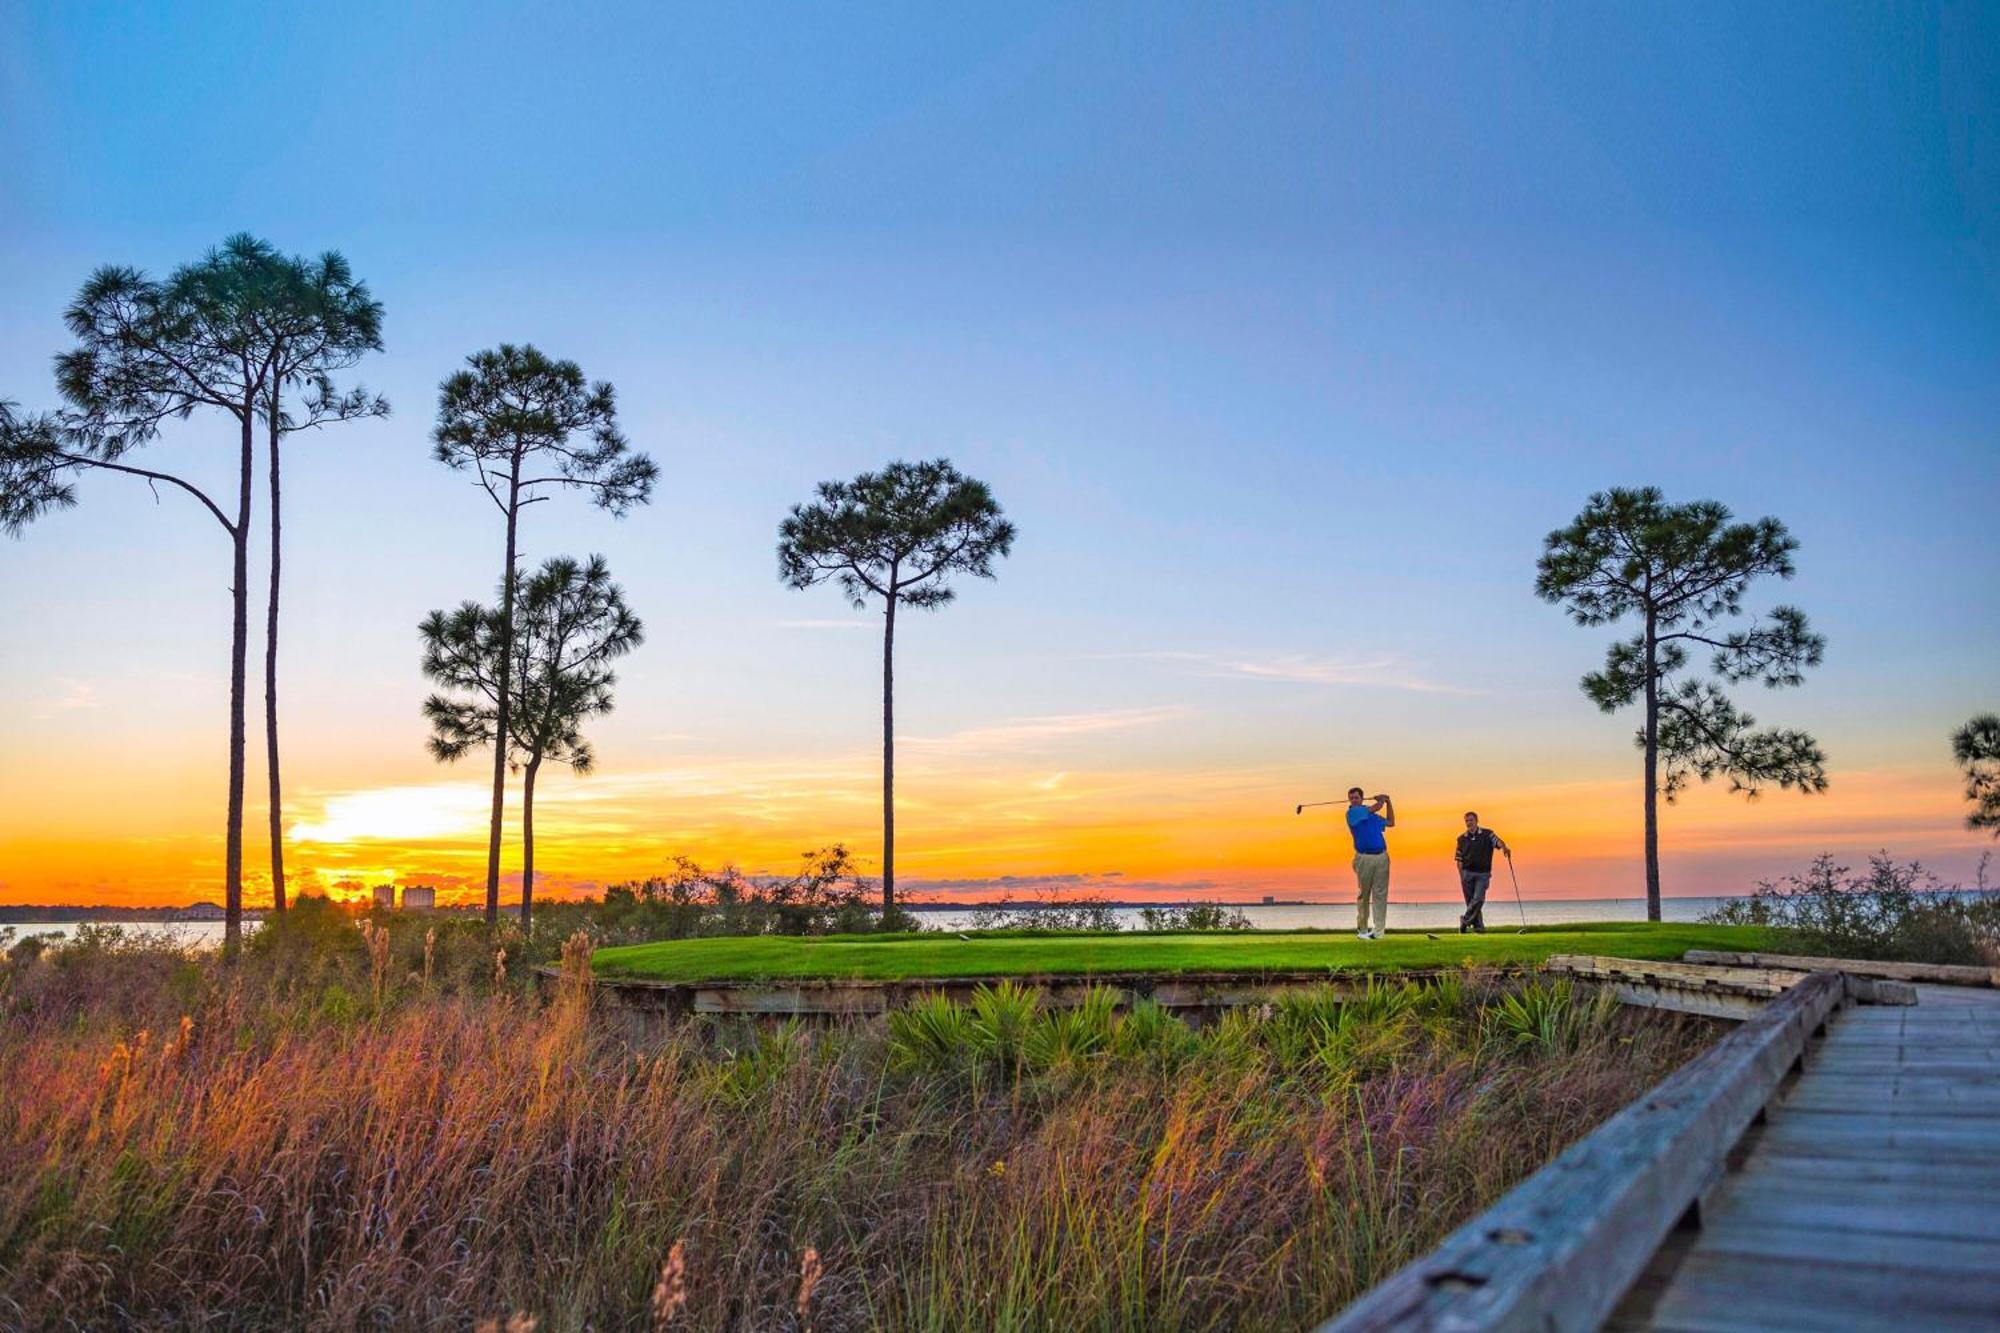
(76, 694)
(70, 696)
(1385, 672)
(1031, 733)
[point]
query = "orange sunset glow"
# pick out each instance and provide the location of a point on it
(1270, 379)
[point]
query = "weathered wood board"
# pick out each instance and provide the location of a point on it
(1940, 974)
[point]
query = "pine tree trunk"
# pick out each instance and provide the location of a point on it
(889, 757)
(528, 840)
(500, 718)
(271, 683)
(239, 646)
(1652, 774)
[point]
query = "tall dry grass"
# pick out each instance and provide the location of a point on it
(442, 1157)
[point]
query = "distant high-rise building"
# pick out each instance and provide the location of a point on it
(385, 897)
(1270, 897)
(419, 899)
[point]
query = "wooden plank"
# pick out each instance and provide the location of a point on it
(1902, 1081)
(1811, 1095)
(1765, 982)
(1858, 1172)
(780, 1001)
(1933, 973)
(1558, 1251)
(1938, 1138)
(1725, 1233)
(1675, 999)
(1723, 1293)
(1885, 1209)
(1914, 1063)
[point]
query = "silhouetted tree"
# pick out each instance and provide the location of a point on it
(898, 534)
(513, 418)
(570, 624)
(319, 320)
(1682, 570)
(148, 352)
(1976, 746)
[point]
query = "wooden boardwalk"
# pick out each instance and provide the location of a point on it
(1827, 1165)
(1870, 1196)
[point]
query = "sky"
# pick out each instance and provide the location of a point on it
(1284, 335)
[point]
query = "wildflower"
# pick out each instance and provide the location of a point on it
(998, 1169)
(670, 1292)
(809, 1272)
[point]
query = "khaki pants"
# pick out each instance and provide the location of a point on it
(1371, 875)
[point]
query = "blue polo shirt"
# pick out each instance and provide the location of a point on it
(1366, 826)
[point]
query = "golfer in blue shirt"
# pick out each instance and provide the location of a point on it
(1367, 820)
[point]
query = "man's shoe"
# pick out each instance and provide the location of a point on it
(1461, 927)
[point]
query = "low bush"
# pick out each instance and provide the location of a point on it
(1045, 912)
(1898, 912)
(1195, 916)
(1551, 1018)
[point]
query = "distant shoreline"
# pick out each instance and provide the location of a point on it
(31, 914)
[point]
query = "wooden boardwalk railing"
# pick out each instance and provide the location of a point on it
(1735, 1198)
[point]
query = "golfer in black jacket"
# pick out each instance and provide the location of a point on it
(1475, 870)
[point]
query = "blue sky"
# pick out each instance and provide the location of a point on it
(1284, 336)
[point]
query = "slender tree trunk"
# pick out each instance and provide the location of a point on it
(500, 711)
(1652, 774)
(528, 840)
(271, 683)
(889, 756)
(239, 646)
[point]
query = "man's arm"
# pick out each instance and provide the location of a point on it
(1387, 809)
(1501, 843)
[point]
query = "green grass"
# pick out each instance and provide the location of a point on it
(1033, 953)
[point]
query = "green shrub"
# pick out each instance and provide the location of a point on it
(1066, 1037)
(1147, 1029)
(933, 1034)
(1002, 1018)
(1551, 1018)
(1899, 912)
(744, 1074)
(1194, 916)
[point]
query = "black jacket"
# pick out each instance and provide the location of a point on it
(1475, 850)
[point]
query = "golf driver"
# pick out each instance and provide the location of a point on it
(1301, 809)
(1517, 894)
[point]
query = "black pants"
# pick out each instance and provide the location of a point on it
(1472, 883)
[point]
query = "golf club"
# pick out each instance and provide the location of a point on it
(1517, 894)
(1301, 809)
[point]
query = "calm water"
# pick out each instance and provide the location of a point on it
(1500, 911)
(203, 934)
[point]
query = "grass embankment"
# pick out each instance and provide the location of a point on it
(1037, 953)
(392, 1131)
